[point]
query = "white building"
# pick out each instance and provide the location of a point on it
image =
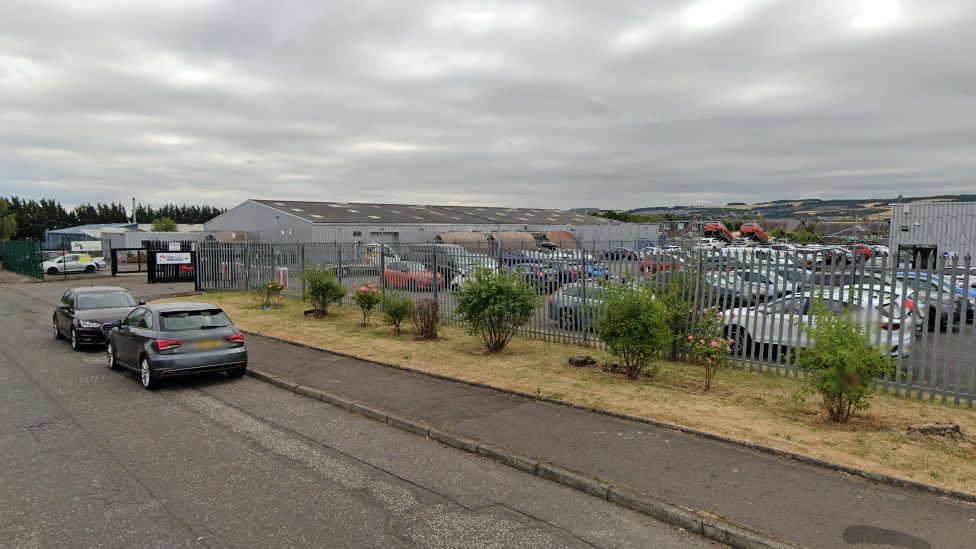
(933, 230)
(358, 223)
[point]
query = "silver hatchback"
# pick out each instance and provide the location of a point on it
(169, 340)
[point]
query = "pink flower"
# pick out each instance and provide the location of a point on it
(728, 348)
(691, 338)
(702, 341)
(731, 340)
(715, 344)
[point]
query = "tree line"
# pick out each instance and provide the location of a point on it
(30, 218)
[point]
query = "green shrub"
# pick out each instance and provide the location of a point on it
(321, 288)
(270, 293)
(635, 327)
(367, 297)
(843, 361)
(708, 346)
(426, 318)
(397, 309)
(495, 305)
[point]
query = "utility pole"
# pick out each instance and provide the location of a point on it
(134, 210)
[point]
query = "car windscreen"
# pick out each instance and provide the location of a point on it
(180, 321)
(103, 300)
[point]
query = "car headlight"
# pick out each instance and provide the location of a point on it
(89, 324)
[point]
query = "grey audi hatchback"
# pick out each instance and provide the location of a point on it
(168, 340)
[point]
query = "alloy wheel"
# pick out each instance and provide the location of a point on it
(144, 374)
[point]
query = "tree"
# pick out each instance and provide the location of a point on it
(163, 225)
(8, 221)
(321, 288)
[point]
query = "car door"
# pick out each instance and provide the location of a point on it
(782, 321)
(124, 338)
(63, 313)
(143, 332)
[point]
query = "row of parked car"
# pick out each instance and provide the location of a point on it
(157, 341)
(61, 262)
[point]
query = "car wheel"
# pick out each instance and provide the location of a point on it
(57, 331)
(146, 375)
(742, 344)
(110, 356)
(74, 340)
(236, 372)
(52, 271)
(566, 319)
(90, 269)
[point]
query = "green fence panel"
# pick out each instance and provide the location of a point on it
(22, 257)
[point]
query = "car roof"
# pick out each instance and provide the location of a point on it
(85, 289)
(181, 306)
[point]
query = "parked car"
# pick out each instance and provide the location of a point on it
(99, 262)
(862, 252)
(461, 280)
(527, 258)
(660, 263)
(85, 315)
(777, 325)
(570, 310)
(71, 263)
(168, 340)
(621, 254)
(940, 298)
(744, 287)
(412, 276)
(449, 259)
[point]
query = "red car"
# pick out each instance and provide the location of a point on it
(862, 251)
(411, 275)
(660, 263)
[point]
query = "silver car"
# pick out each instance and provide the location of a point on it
(168, 340)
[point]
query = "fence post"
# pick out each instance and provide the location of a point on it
(435, 273)
(583, 277)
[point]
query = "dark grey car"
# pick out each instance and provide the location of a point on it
(168, 340)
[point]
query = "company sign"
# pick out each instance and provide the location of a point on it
(169, 258)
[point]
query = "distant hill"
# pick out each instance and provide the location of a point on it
(804, 208)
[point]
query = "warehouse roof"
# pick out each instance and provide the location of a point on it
(341, 212)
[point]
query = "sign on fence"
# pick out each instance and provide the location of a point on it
(163, 258)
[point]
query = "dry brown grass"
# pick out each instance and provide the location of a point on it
(760, 408)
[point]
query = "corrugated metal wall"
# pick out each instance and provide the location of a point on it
(951, 227)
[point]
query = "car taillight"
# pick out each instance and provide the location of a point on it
(167, 344)
(236, 338)
(909, 304)
(890, 325)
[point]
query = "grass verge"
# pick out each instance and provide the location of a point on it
(759, 408)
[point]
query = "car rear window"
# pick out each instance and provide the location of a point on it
(104, 300)
(179, 321)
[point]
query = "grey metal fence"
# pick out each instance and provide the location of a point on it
(921, 313)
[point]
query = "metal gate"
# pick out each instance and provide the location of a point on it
(128, 260)
(171, 267)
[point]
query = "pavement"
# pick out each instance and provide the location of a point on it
(797, 502)
(90, 459)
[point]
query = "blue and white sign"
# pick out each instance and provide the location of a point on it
(169, 258)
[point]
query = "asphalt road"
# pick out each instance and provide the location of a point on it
(90, 459)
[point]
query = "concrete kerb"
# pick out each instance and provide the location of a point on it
(695, 521)
(868, 475)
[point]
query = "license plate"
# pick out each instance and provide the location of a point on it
(206, 344)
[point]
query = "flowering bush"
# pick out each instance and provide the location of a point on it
(367, 297)
(270, 293)
(707, 346)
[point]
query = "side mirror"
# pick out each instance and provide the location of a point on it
(142, 302)
(117, 324)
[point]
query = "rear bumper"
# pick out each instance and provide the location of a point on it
(165, 366)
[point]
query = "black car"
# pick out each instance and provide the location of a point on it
(85, 315)
(168, 340)
(621, 254)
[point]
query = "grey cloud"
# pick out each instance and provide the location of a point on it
(546, 104)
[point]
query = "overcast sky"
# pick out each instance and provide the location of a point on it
(560, 104)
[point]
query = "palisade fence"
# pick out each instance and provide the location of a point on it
(920, 313)
(22, 256)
